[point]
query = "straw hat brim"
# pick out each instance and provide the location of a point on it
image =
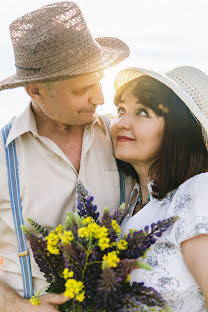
(129, 74)
(113, 51)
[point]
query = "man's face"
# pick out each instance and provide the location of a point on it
(72, 101)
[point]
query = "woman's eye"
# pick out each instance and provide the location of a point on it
(142, 112)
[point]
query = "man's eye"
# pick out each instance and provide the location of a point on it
(120, 110)
(80, 92)
(142, 112)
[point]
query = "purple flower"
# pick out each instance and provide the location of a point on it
(84, 203)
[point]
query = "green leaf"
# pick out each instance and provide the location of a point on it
(144, 265)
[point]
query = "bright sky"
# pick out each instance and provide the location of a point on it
(161, 35)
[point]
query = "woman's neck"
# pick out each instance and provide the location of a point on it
(144, 179)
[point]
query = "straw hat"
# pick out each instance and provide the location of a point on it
(54, 43)
(188, 83)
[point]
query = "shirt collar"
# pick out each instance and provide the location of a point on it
(22, 124)
(98, 119)
(26, 123)
(149, 187)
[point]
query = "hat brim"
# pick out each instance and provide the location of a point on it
(113, 51)
(132, 73)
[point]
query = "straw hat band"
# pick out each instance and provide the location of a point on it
(62, 61)
(41, 59)
(54, 43)
(59, 62)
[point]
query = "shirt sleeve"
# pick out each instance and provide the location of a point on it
(191, 205)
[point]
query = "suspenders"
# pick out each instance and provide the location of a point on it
(14, 191)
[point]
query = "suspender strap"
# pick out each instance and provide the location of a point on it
(121, 173)
(14, 190)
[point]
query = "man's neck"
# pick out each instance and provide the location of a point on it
(48, 127)
(68, 138)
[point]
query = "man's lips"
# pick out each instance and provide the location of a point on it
(88, 112)
(122, 138)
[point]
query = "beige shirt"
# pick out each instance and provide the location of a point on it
(47, 186)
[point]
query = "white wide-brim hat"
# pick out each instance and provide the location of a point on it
(189, 83)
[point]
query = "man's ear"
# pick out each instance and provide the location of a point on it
(34, 90)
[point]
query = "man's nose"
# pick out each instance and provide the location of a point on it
(96, 95)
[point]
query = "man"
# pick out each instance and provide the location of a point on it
(59, 138)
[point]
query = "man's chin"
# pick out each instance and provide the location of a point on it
(89, 117)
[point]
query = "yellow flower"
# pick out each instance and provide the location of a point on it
(116, 227)
(52, 243)
(101, 232)
(35, 300)
(60, 228)
(127, 278)
(53, 250)
(67, 274)
(84, 232)
(80, 297)
(88, 220)
(52, 238)
(73, 288)
(112, 259)
(104, 243)
(92, 230)
(67, 237)
(122, 244)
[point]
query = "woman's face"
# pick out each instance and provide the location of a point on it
(136, 131)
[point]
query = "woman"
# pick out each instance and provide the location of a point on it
(161, 132)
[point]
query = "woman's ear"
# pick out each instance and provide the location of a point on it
(34, 90)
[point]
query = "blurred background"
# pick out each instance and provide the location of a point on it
(161, 35)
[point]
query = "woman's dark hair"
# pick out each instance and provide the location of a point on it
(183, 152)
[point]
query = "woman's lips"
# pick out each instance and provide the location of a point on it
(121, 138)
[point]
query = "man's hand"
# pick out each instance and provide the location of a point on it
(10, 301)
(48, 303)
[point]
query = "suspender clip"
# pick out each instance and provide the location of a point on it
(22, 254)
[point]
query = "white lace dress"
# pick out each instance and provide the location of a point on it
(169, 274)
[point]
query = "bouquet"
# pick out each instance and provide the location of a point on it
(90, 261)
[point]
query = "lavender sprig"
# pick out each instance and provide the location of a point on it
(140, 241)
(84, 203)
(51, 265)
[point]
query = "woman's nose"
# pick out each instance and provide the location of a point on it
(124, 122)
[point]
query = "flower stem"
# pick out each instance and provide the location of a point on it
(94, 262)
(87, 256)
